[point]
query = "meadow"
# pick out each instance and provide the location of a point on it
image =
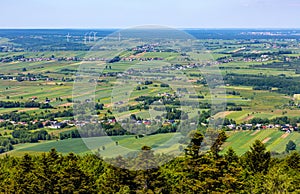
(106, 146)
(274, 140)
(240, 141)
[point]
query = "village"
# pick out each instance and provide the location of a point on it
(288, 128)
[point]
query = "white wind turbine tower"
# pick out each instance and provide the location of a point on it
(68, 37)
(95, 36)
(119, 37)
(90, 37)
(85, 37)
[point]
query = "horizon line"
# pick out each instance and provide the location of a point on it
(184, 28)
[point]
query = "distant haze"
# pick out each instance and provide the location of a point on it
(129, 13)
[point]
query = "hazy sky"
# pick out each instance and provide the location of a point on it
(129, 13)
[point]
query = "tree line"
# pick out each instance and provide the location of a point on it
(285, 85)
(29, 104)
(194, 172)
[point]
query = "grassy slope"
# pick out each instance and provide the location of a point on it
(166, 143)
(242, 140)
(162, 143)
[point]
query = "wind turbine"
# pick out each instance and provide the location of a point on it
(120, 37)
(85, 37)
(68, 37)
(95, 35)
(90, 37)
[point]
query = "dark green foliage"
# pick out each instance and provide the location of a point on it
(257, 160)
(6, 144)
(25, 136)
(26, 117)
(29, 104)
(99, 106)
(255, 172)
(164, 85)
(69, 134)
(114, 60)
(216, 147)
(293, 161)
(195, 144)
(290, 146)
(285, 85)
(278, 120)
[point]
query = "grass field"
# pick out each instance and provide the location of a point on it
(166, 55)
(162, 143)
(240, 141)
(275, 140)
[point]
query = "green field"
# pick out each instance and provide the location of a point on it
(240, 141)
(163, 143)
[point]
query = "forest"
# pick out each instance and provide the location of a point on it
(196, 171)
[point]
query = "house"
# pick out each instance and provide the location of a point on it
(147, 122)
(231, 126)
(248, 126)
(258, 125)
(55, 125)
(285, 128)
(34, 98)
(264, 127)
(112, 121)
(277, 126)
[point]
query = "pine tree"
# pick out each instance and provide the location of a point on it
(216, 147)
(147, 174)
(25, 180)
(231, 157)
(293, 161)
(72, 178)
(48, 171)
(116, 177)
(258, 159)
(193, 148)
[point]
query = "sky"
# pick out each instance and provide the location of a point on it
(131, 13)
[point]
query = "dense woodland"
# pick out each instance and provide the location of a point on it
(195, 172)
